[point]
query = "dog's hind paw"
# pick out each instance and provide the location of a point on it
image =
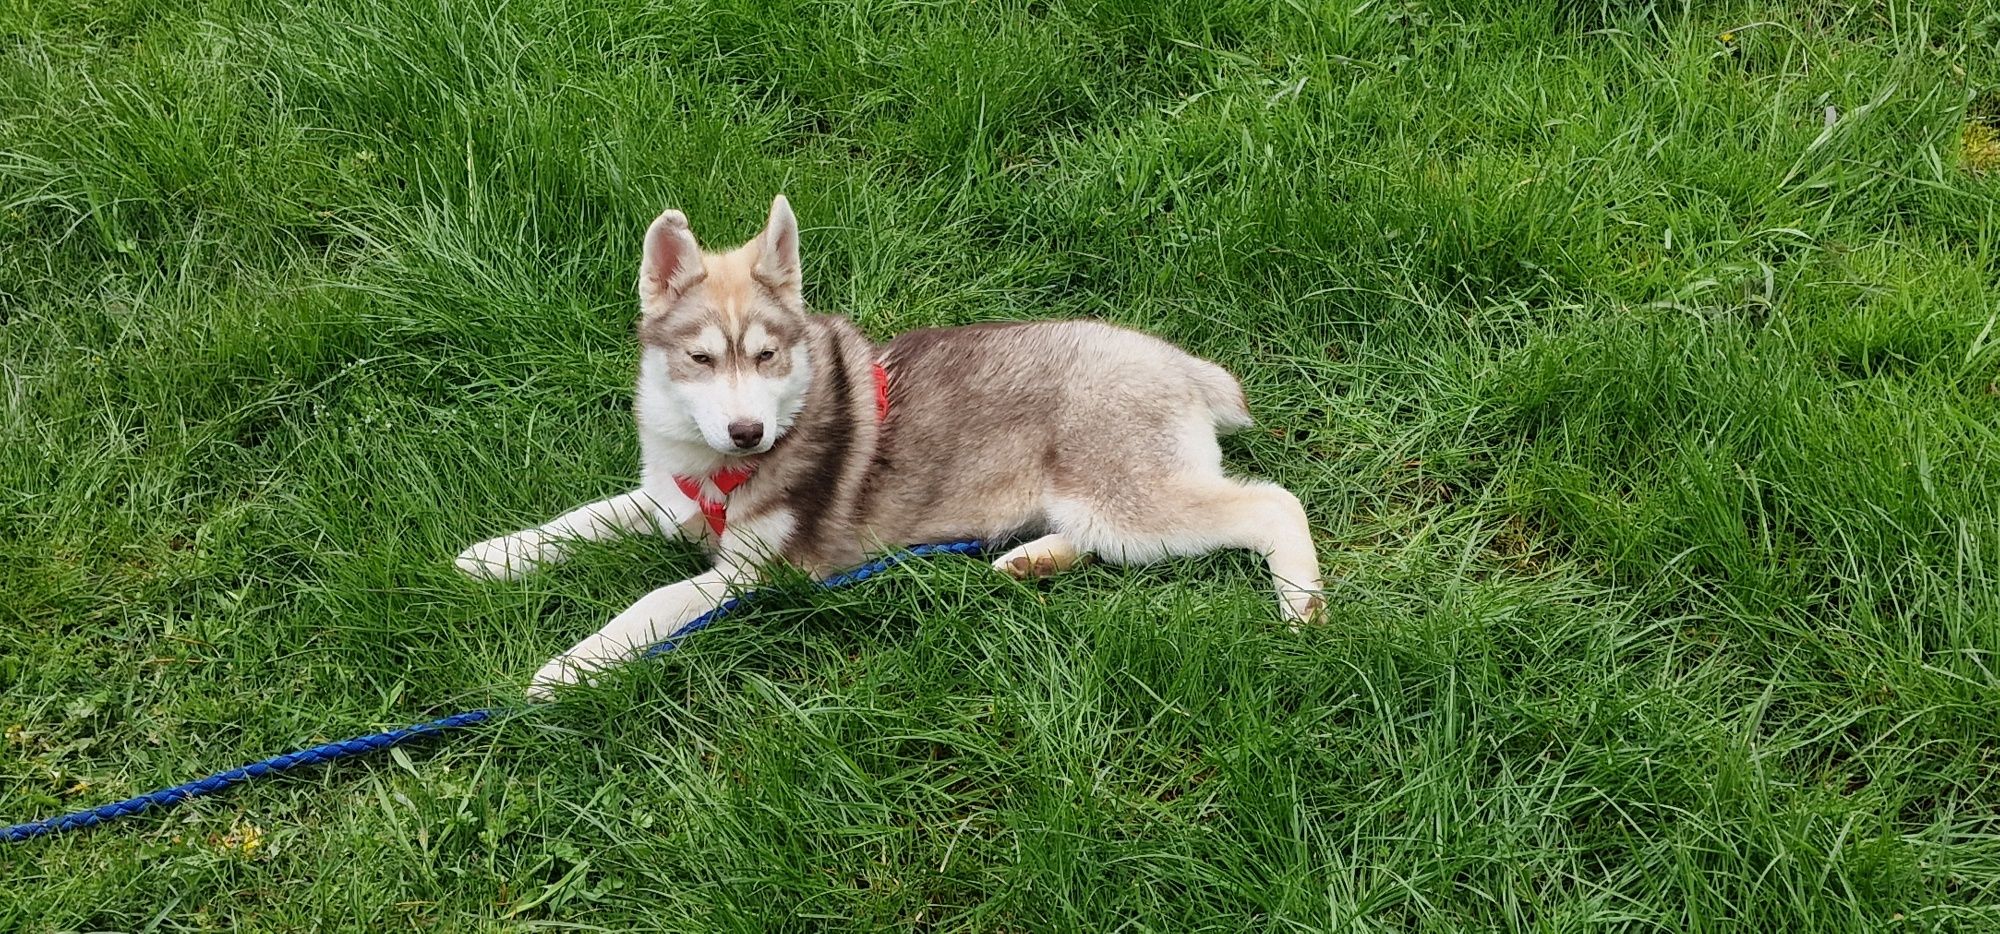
(1043, 557)
(1302, 607)
(503, 558)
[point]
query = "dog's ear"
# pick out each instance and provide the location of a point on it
(672, 260)
(778, 248)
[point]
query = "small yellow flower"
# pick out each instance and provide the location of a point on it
(1727, 37)
(1981, 144)
(245, 839)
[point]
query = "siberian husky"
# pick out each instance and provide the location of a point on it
(772, 434)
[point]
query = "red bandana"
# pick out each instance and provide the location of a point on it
(716, 511)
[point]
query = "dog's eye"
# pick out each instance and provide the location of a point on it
(767, 356)
(701, 358)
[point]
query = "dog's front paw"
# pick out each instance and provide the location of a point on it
(503, 558)
(560, 672)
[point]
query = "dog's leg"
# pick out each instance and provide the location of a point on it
(1047, 556)
(655, 618)
(1195, 515)
(510, 556)
(1268, 519)
(1272, 521)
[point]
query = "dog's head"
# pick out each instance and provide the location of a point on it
(723, 335)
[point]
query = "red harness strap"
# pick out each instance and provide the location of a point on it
(716, 510)
(725, 480)
(881, 392)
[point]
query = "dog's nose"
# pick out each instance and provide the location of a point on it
(746, 433)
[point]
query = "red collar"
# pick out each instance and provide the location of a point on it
(716, 509)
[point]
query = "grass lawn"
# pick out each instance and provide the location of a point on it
(1638, 366)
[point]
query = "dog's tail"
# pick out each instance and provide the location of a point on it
(1223, 395)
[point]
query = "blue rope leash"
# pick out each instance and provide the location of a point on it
(311, 755)
(376, 742)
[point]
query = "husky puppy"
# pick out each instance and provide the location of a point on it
(772, 434)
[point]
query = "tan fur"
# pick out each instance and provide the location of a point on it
(731, 286)
(1084, 437)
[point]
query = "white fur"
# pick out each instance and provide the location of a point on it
(1217, 511)
(755, 542)
(510, 556)
(655, 618)
(1050, 554)
(703, 410)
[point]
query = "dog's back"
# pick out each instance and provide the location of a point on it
(1030, 369)
(988, 419)
(1103, 436)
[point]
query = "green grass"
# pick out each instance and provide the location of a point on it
(1649, 423)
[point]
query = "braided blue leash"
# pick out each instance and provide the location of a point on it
(375, 742)
(168, 797)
